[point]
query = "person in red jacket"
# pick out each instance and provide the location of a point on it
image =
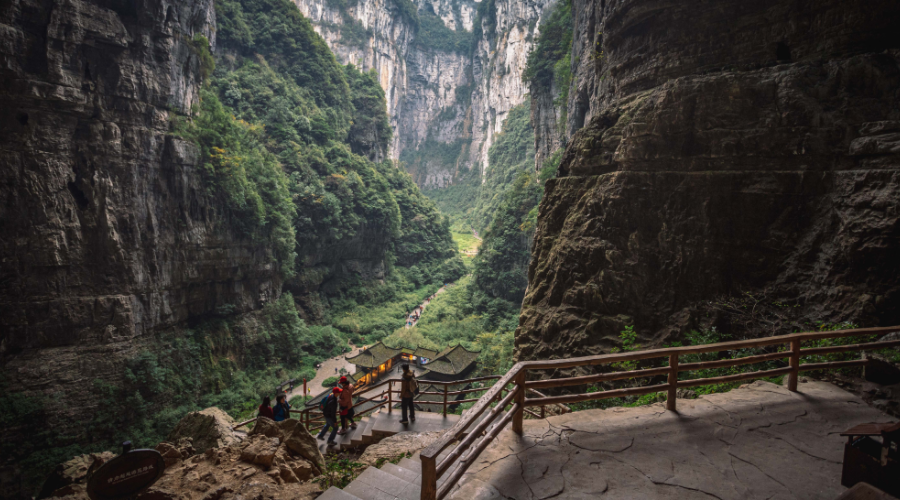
(346, 403)
(265, 409)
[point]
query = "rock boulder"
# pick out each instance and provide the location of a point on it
(295, 438)
(68, 478)
(209, 428)
(261, 450)
(399, 445)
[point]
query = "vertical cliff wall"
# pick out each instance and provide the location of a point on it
(446, 100)
(738, 167)
(108, 235)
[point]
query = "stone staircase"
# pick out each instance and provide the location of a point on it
(401, 481)
(382, 424)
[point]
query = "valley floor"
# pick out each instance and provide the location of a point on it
(760, 441)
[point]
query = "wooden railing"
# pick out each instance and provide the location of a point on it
(314, 420)
(496, 417)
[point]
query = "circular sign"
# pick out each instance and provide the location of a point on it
(126, 475)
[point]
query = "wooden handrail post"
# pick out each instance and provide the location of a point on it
(543, 411)
(795, 365)
(519, 416)
(390, 395)
(445, 400)
(429, 478)
(673, 382)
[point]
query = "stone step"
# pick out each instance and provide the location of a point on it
(346, 441)
(410, 464)
(375, 484)
(367, 436)
(335, 494)
(389, 423)
(356, 437)
(403, 473)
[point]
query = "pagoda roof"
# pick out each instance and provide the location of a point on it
(374, 356)
(452, 360)
(425, 353)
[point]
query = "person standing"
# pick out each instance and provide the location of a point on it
(409, 387)
(282, 408)
(329, 407)
(265, 409)
(346, 402)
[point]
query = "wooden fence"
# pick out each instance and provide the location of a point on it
(492, 410)
(314, 420)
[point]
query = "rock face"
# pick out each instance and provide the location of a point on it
(109, 236)
(458, 98)
(209, 428)
(743, 175)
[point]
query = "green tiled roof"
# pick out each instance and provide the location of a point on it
(374, 356)
(452, 360)
(425, 353)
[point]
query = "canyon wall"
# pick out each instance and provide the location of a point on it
(451, 99)
(108, 234)
(739, 167)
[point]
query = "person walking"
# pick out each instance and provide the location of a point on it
(346, 402)
(329, 407)
(265, 409)
(409, 387)
(282, 408)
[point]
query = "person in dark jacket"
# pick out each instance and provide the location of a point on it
(408, 388)
(265, 409)
(282, 408)
(329, 409)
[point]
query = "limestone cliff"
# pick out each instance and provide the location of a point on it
(107, 234)
(452, 99)
(739, 167)
(109, 237)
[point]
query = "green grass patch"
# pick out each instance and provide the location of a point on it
(466, 242)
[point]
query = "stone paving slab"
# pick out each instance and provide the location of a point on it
(757, 442)
(388, 424)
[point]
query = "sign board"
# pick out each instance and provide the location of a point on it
(126, 475)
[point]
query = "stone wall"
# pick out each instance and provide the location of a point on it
(739, 167)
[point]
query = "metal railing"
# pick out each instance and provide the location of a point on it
(497, 417)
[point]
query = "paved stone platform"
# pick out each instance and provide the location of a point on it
(757, 442)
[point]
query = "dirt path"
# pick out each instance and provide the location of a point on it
(422, 306)
(327, 369)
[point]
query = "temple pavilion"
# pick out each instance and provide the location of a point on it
(452, 363)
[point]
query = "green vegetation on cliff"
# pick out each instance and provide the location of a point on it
(549, 67)
(553, 45)
(285, 136)
(434, 34)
